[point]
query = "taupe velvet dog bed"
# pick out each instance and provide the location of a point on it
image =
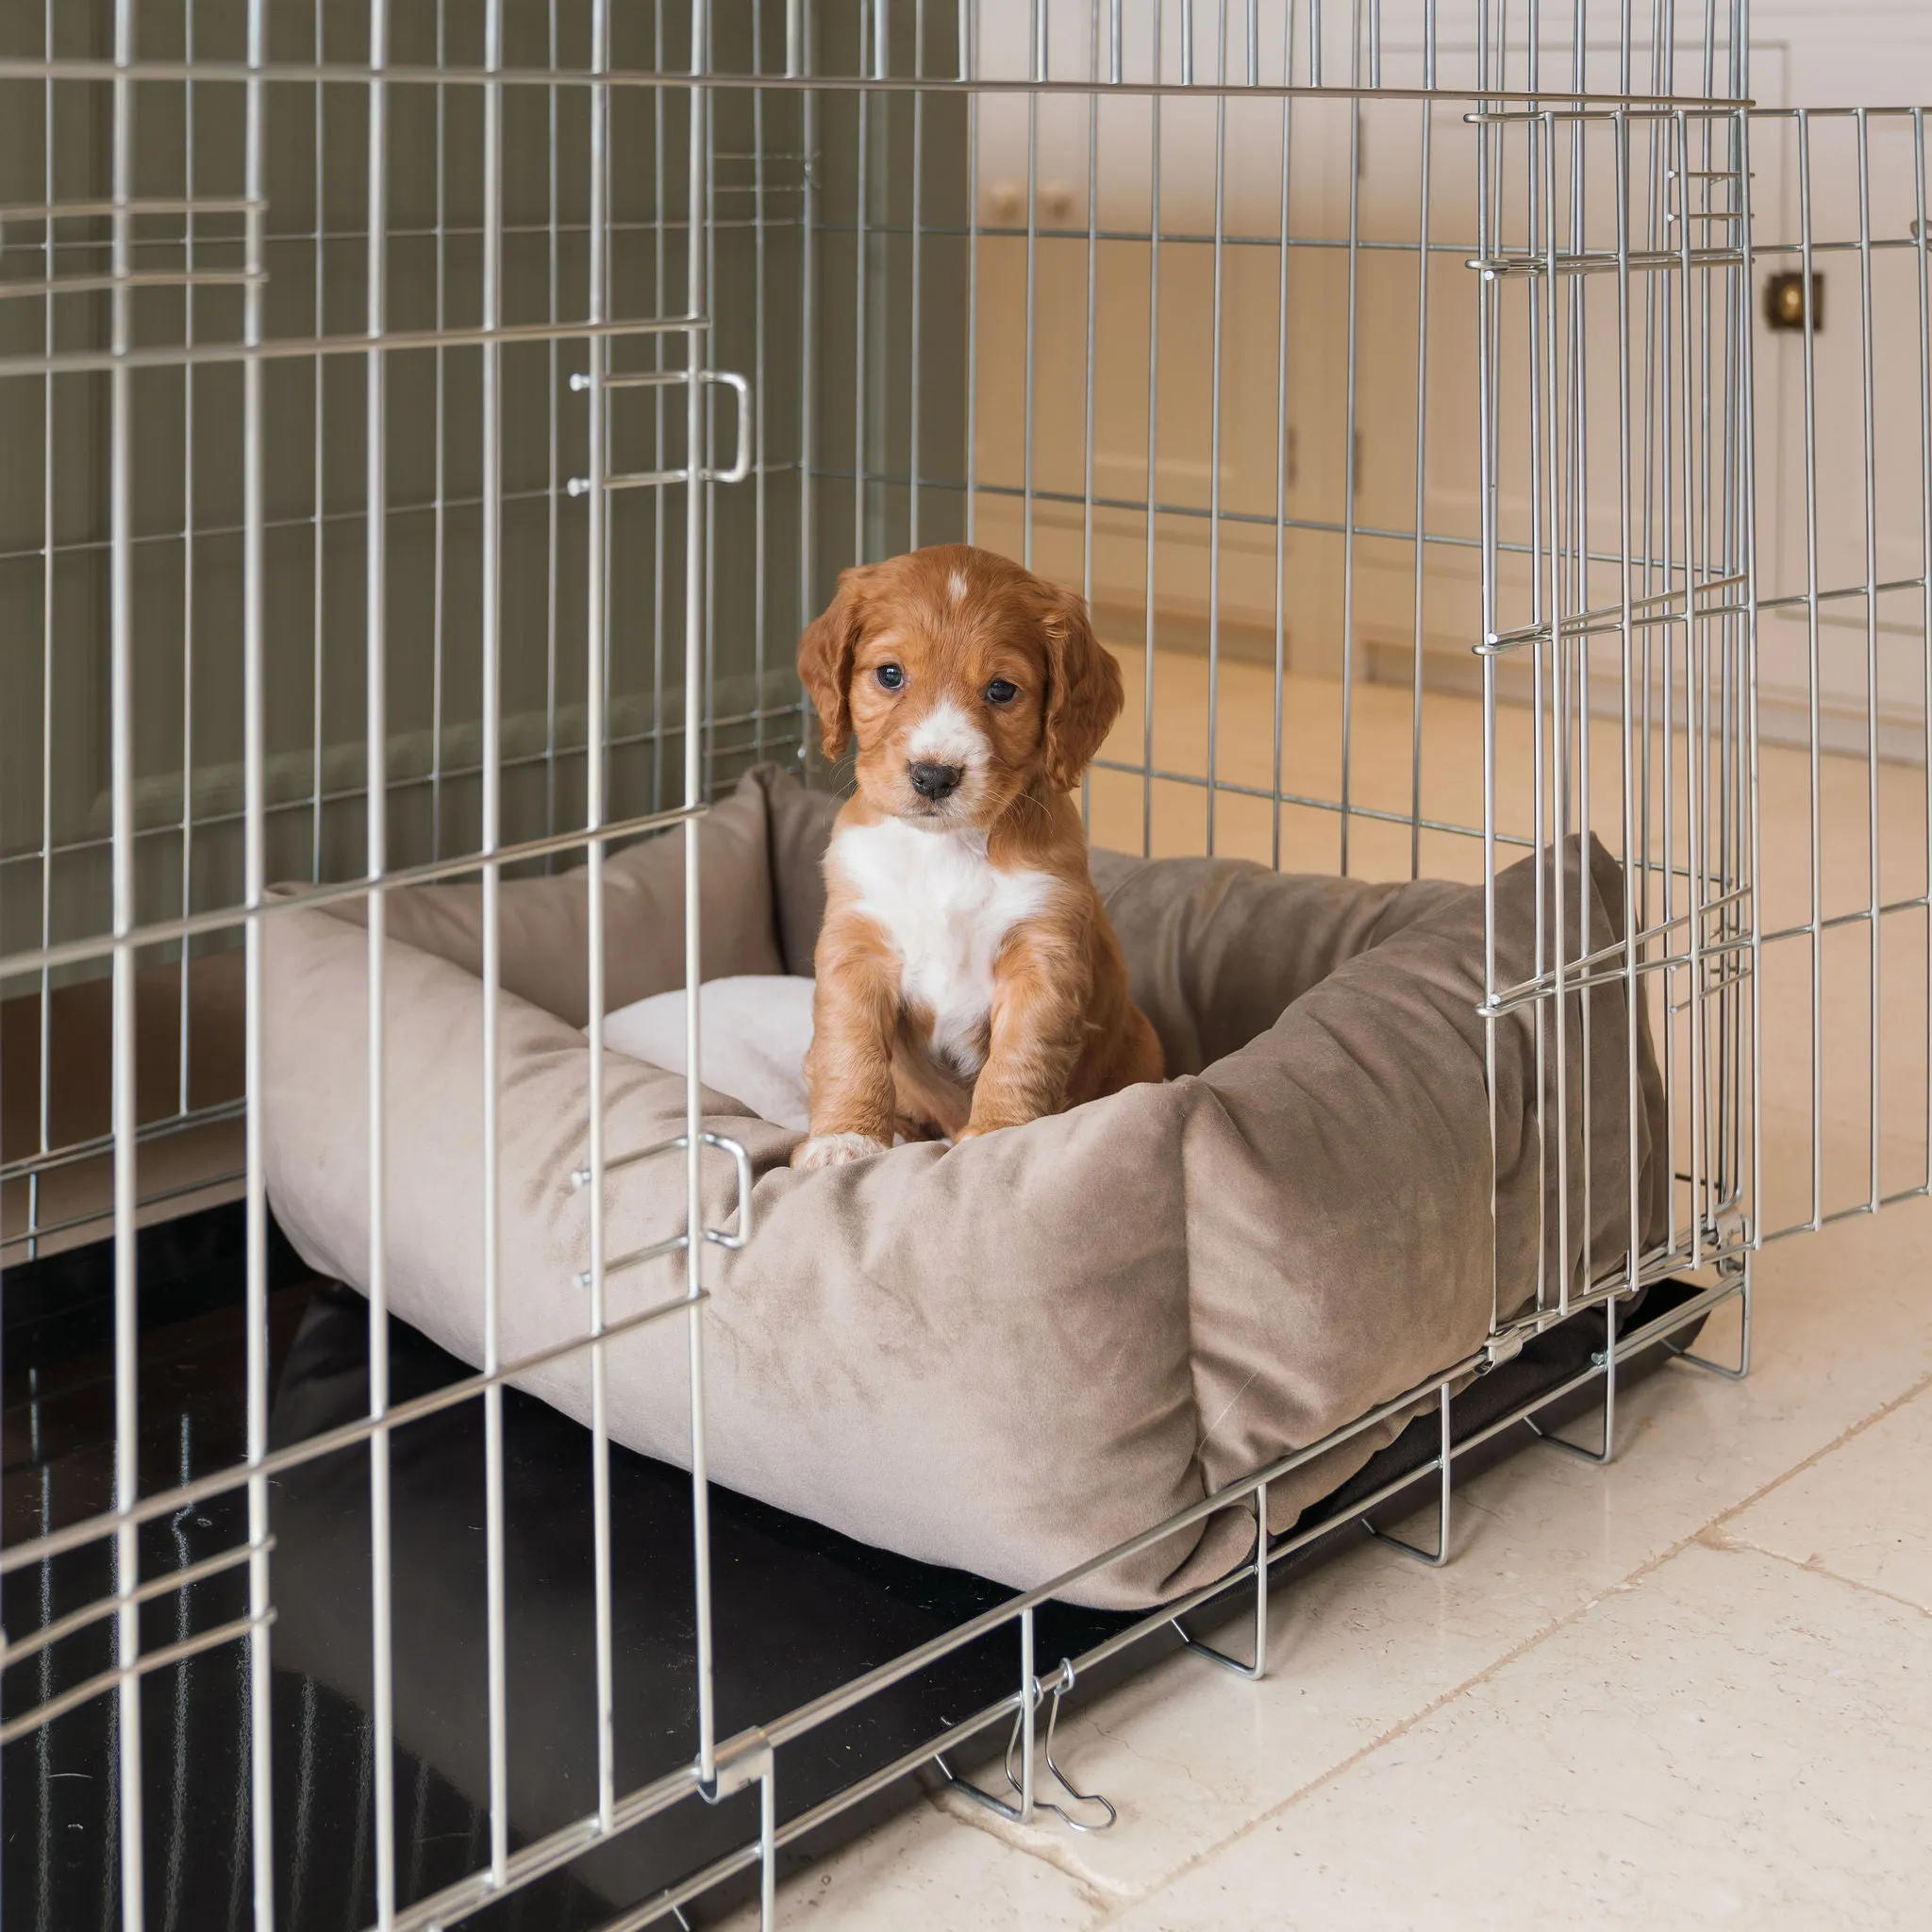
(1010, 1356)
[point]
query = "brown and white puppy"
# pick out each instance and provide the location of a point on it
(968, 978)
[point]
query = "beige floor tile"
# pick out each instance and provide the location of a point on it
(1732, 1742)
(1191, 1754)
(926, 1870)
(1862, 1511)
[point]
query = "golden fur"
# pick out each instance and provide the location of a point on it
(954, 668)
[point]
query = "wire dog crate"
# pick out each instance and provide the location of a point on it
(429, 424)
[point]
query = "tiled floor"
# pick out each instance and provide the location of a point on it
(1693, 1688)
(1690, 1689)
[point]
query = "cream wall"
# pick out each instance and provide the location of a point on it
(1286, 415)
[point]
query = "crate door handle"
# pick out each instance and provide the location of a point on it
(741, 464)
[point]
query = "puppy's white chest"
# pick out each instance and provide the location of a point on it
(946, 910)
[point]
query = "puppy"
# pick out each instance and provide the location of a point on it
(968, 979)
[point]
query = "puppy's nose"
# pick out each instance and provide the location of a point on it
(936, 781)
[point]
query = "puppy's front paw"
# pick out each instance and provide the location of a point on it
(834, 1150)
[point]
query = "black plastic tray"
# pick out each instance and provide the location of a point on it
(797, 1609)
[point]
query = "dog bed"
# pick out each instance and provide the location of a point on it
(1010, 1356)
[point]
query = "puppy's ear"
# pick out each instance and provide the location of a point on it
(825, 660)
(1084, 692)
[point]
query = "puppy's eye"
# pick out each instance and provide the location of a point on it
(889, 677)
(1001, 692)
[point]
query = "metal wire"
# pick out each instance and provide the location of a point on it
(1511, 473)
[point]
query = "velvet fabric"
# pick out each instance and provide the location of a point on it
(1012, 1355)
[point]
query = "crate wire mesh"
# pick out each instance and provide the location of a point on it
(394, 396)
